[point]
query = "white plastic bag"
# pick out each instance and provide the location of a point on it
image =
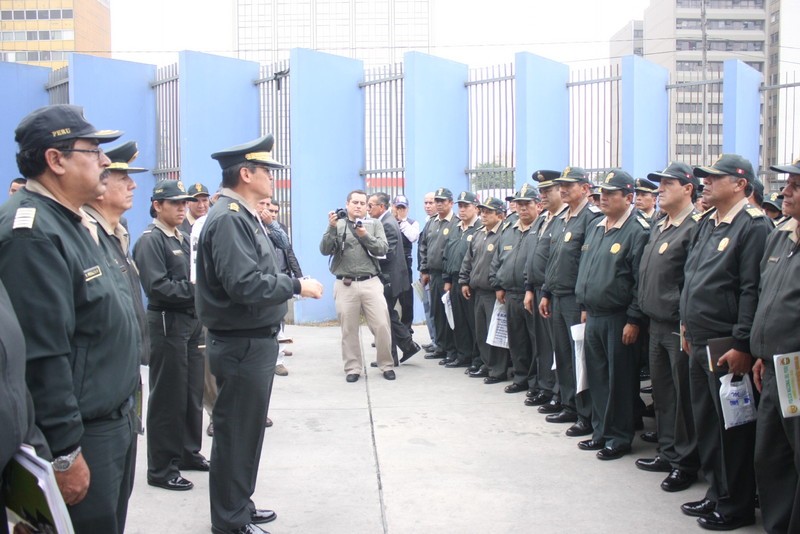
(581, 380)
(448, 310)
(736, 398)
(498, 326)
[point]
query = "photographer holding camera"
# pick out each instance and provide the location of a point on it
(356, 245)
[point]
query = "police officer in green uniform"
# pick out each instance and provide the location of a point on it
(774, 332)
(463, 310)
(241, 298)
(773, 207)
(431, 254)
(661, 278)
(558, 294)
(475, 286)
(77, 315)
(107, 211)
(546, 396)
(646, 195)
(719, 300)
(198, 208)
(175, 404)
(506, 275)
(607, 285)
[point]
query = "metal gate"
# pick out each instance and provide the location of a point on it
(168, 149)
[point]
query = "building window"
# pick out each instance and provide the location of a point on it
(32, 14)
(687, 150)
(688, 128)
(638, 34)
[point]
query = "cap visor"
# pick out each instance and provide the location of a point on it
(609, 187)
(701, 172)
(790, 169)
(103, 136)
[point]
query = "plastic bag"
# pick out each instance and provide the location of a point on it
(498, 326)
(581, 379)
(738, 406)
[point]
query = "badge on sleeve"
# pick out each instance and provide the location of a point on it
(24, 218)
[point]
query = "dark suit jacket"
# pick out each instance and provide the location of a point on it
(394, 266)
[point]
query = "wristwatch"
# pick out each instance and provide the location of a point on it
(62, 463)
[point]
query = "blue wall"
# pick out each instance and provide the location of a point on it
(741, 108)
(645, 116)
(22, 89)
(327, 135)
(542, 115)
(117, 95)
(219, 108)
(436, 127)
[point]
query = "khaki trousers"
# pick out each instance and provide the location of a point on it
(351, 301)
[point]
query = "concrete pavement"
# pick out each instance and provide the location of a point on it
(432, 452)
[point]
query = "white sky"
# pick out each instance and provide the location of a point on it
(474, 32)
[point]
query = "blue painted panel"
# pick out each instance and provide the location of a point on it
(22, 90)
(219, 108)
(645, 116)
(327, 134)
(117, 95)
(741, 107)
(542, 115)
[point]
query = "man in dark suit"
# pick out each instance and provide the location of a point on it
(394, 274)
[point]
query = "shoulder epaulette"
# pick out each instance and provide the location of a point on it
(699, 216)
(147, 232)
(24, 218)
(754, 212)
(643, 222)
(505, 225)
(233, 206)
(593, 208)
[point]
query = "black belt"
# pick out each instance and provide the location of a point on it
(357, 278)
(263, 332)
(118, 413)
(187, 311)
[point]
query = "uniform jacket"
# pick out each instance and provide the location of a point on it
(661, 274)
(76, 312)
(778, 313)
(431, 248)
(475, 267)
(539, 249)
(566, 245)
(164, 262)
(456, 249)
(507, 269)
(239, 285)
(720, 293)
(608, 276)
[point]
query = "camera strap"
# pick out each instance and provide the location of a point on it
(370, 256)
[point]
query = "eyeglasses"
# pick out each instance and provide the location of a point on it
(97, 151)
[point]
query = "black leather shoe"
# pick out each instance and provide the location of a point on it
(435, 355)
(373, 364)
(539, 399)
(656, 465)
(389, 375)
(580, 428)
(678, 480)
(446, 361)
(553, 406)
(480, 373)
(175, 484)
(647, 390)
(263, 516)
(562, 417)
(200, 465)
(698, 508)
(410, 351)
(493, 380)
(591, 444)
(613, 453)
(268, 423)
(649, 437)
(456, 363)
(429, 347)
(244, 529)
(352, 378)
(514, 388)
(717, 521)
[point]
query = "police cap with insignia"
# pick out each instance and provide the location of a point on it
(400, 201)
(122, 156)
(775, 200)
(790, 168)
(678, 171)
(51, 124)
(198, 189)
(467, 197)
(443, 194)
(493, 203)
(617, 180)
(529, 193)
(573, 175)
(545, 178)
(643, 185)
(258, 152)
(171, 190)
(728, 164)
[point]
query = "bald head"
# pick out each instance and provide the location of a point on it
(429, 204)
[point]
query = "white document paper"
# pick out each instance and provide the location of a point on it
(787, 379)
(577, 332)
(448, 310)
(498, 326)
